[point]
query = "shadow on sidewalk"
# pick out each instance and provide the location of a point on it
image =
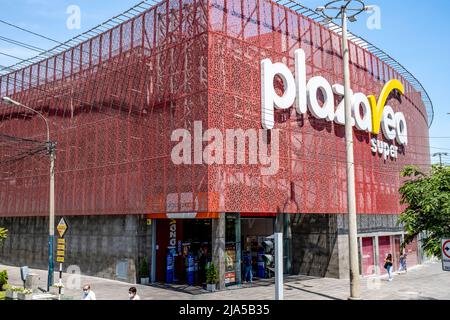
(312, 292)
(185, 288)
(257, 282)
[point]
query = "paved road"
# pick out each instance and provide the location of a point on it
(426, 281)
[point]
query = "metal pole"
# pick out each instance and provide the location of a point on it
(351, 202)
(60, 281)
(51, 234)
(279, 295)
(440, 154)
(153, 267)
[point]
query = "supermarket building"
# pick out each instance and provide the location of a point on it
(136, 109)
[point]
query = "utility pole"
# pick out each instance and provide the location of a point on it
(51, 152)
(51, 234)
(355, 287)
(341, 7)
(279, 294)
(440, 154)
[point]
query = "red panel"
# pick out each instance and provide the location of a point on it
(114, 102)
(163, 238)
(384, 248)
(368, 256)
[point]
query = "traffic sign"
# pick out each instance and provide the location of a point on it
(62, 227)
(59, 259)
(446, 254)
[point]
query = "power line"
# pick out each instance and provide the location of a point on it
(15, 149)
(113, 70)
(440, 154)
(111, 23)
(31, 32)
(11, 56)
(19, 43)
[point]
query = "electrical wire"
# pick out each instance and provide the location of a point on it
(80, 64)
(115, 70)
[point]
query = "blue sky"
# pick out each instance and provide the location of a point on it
(416, 34)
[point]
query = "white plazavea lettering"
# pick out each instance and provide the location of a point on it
(305, 96)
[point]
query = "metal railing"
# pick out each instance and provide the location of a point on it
(361, 42)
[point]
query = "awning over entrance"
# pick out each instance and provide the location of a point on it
(184, 215)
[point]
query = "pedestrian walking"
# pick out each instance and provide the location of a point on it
(402, 266)
(388, 266)
(248, 274)
(88, 294)
(132, 294)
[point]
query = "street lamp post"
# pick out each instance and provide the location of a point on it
(440, 154)
(348, 10)
(51, 152)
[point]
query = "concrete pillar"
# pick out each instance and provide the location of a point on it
(218, 247)
(153, 260)
(360, 255)
(278, 227)
(283, 225)
(287, 239)
(377, 254)
(344, 265)
(237, 225)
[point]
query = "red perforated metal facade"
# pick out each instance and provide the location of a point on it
(114, 101)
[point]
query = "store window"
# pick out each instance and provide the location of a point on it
(257, 240)
(232, 249)
(196, 249)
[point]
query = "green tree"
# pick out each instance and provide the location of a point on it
(3, 234)
(212, 274)
(427, 197)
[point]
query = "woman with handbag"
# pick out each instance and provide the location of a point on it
(388, 265)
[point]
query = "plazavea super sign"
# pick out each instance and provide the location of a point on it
(368, 113)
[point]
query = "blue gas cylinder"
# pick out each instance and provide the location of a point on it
(261, 265)
(169, 268)
(190, 269)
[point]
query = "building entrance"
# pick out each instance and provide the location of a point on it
(257, 243)
(183, 250)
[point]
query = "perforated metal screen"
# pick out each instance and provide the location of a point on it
(114, 101)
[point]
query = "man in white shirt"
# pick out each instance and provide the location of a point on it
(88, 294)
(132, 294)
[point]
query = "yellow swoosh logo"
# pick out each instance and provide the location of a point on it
(378, 108)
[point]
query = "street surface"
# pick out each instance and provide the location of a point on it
(423, 282)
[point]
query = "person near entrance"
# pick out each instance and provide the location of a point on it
(88, 294)
(248, 274)
(132, 294)
(402, 266)
(388, 266)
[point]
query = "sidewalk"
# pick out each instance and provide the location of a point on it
(424, 282)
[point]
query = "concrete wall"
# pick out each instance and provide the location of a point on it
(314, 245)
(370, 223)
(320, 241)
(94, 243)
